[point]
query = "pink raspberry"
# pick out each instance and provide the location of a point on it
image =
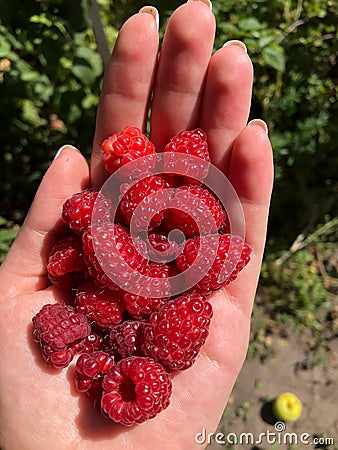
(139, 306)
(223, 256)
(126, 146)
(149, 213)
(77, 211)
(135, 390)
(177, 331)
(58, 329)
(102, 307)
(126, 339)
(66, 267)
(188, 143)
(197, 212)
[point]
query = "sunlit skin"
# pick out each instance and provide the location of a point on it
(39, 406)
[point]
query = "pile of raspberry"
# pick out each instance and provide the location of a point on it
(129, 344)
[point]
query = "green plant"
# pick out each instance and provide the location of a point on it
(7, 234)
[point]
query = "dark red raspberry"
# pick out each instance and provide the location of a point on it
(126, 339)
(77, 211)
(157, 290)
(58, 329)
(90, 369)
(116, 251)
(192, 143)
(128, 145)
(150, 213)
(66, 267)
(135, 390)
(102, 307)
(222, 256)
(197, 212)
(176, 332)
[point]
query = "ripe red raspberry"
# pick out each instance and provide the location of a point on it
(58, 328)
(160, 242)
(176, 332)
(93, 342)
(126, 339)
(90, 369)
(193, 143)
(159, 288)
(224, 256)
(116, 250)
(128, 145)
(135, 390)
(197, 212)
(102, 307)
(66, 267)
(77, 211)
(149, 213)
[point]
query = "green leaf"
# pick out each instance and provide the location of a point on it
(42, 19)
(249, 24)
(274, 57)
(7, 235)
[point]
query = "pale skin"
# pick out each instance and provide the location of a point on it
(39, 406)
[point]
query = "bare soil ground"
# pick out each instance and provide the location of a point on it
(249, 409)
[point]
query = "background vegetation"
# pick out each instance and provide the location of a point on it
(50, 76)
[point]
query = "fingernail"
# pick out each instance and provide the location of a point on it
(237, 44)
(58, 153)
(154, 12)
(207, 2)
(260, 123)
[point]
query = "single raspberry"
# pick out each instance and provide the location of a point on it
(126, 146)
(164, 245)
(188, 143)
(93, 266)
(155, 292)
(90, 369)
(176, 332)
(66, 267)
(93, 342)
(135, 390)
(126, 339)
(223, 256)
(77, 211)
(116, 251)
(102, 307)
(148, 191)
(197, 212)
(58, 329)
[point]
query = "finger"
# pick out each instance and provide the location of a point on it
(251, 174)
(184, 59)
(127, 85)
(226, 101)
(24, 268)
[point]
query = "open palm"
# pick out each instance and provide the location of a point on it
(39, 406)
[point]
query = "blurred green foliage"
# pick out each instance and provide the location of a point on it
(50, 77)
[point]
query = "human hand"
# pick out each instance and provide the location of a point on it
(38, 409)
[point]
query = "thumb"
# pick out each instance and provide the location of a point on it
(24, 268)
